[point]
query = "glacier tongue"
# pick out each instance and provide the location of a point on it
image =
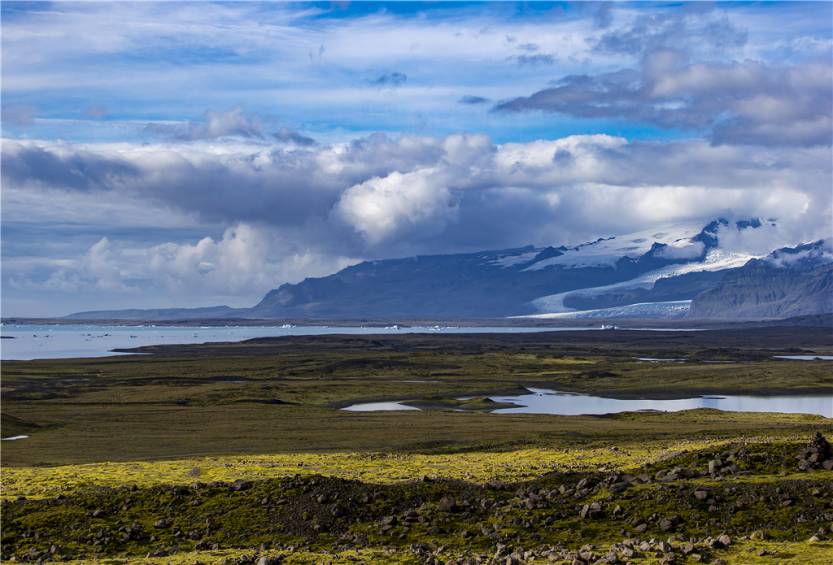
(715, 260)
(673, 309)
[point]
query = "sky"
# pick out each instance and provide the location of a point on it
(192, 154)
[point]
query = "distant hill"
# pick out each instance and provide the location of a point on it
(152, 314)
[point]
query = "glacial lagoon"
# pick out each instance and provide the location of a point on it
(58, 341)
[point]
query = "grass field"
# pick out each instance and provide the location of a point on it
(122, 434)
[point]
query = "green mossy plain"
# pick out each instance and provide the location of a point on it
(130, 435)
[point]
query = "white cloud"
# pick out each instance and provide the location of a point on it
(410, 203)
(245, 262)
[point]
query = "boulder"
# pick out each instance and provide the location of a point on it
(818, 454)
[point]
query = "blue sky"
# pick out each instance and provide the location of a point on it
(161, 154)
(299, 64)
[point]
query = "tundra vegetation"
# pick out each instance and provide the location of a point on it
(239, 453)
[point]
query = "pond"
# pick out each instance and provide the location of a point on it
(805, 357)
(544, 401)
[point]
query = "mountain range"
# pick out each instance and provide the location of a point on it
(698, 272)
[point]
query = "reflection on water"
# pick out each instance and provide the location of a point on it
(542, 401)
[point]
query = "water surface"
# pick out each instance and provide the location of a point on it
(543, 401)
(805, 357)
(55, 341)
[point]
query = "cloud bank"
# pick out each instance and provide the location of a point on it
(305, 210)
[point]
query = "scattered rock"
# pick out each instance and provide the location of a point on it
(447, 504)
(668, 523)
(701, 494)
(817, 455)
(723, 540)
(592, 510)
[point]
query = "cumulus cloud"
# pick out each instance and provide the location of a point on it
(247, 260)
(415, 203)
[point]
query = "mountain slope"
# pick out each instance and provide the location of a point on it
(789, 282)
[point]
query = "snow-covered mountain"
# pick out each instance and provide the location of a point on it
(671, 264)
(654, 273)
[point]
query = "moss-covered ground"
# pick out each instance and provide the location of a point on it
(674, 505)
(239, 453)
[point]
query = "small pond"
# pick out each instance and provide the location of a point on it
(805, 357)
(544, 401)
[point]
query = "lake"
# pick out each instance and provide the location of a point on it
(56, 341)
